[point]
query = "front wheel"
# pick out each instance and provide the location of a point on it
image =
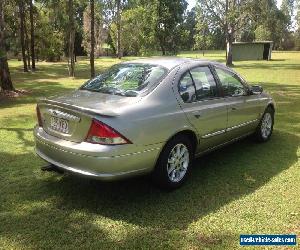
(174, 163)
(265, 127)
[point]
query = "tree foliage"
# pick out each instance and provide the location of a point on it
(169, 16)
(138, 27)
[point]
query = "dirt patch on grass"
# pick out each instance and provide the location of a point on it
(208, 240)
(13, 94)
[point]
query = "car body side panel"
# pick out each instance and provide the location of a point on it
(148, 122)
(210, 119)
(244, 114)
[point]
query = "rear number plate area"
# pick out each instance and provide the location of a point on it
(59, 125)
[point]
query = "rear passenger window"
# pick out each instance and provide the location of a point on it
(186, 88)
(204, 82)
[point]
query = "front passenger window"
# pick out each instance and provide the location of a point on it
(186, 88)
(230, 83)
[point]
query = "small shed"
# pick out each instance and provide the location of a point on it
(260, 50)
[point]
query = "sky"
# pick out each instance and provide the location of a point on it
(192, 3)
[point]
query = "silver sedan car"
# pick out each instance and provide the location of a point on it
(150, 116)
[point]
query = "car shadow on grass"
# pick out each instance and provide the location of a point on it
(65, 209)
(217, 179)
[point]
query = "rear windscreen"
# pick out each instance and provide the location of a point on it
(126, 79)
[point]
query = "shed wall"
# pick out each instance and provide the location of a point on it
(247, 51)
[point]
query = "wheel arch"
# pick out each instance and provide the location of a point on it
(186, 132)
(272, 106)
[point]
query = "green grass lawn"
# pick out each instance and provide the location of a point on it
(242, 189)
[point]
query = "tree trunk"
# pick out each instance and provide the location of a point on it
(229, 33)
(22, 31)
(229, 48)
(26, 42)
(119, 49)
(163, 51)
(162, 46)
(92, 6)
(32, 36)
(71, 59)
(5, 80)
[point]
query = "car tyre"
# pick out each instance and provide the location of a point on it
(265, 127)
(174, 163)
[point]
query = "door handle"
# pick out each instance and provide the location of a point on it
(197, 114)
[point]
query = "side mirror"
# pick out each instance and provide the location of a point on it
(185, 96)
(255, 90)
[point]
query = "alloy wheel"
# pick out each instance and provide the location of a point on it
(266, 125)
(178, 162)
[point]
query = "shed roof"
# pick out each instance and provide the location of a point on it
(255, 42)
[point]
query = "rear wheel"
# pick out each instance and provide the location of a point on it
(265, 127)
(174, 163)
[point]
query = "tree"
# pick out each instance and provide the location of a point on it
(287, 10)
(262, 33)
(71, 56)
(50, 37)
(22, 33)
(169, 16)
(229, 30)
(27, 51)
(5, 80)
(297, 32)
(267, 22)
(236, 17)
(32, 35)
(297, 26)
(138, 29)
(287, 7)
(203, 36)
(92, 54)
(228, 16)
(118, 16)
(188, 30)
(113, 11)
(100, 32)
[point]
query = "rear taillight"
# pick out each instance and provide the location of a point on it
(39, 117)
(101, 133)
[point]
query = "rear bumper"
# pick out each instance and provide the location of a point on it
(96, 161)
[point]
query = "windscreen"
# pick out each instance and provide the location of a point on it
(126, 79)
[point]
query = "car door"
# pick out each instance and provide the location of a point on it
(202, 105)
(243, 109)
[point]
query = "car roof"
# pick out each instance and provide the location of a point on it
(171, 62)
